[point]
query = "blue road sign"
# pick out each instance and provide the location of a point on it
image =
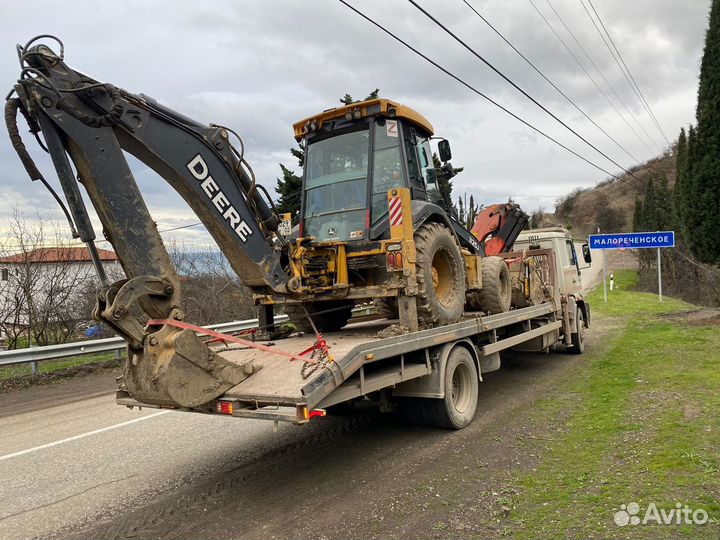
(638, 240)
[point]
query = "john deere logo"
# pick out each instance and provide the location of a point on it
(331, 231)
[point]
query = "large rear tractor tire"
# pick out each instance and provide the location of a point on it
(496, 293)
(440, 275)
(328, 316)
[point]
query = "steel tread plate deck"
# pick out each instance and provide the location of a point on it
(279, 381)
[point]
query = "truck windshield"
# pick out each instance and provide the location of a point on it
(336, 187)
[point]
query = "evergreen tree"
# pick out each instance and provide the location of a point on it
(664, 210)
(703, 190)
(471, 214)
(444, 185)
(650, 208)
(373, 95)
(638, 216)
(347, 99)
(681, 163)
(461, 210)
(289, 186)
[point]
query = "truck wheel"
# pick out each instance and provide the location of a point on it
(387, 307)
(440, 272)
(578, 340)
(457, 409)
(496, 293)
(338, 313)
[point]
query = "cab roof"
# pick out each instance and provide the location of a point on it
(371, 107)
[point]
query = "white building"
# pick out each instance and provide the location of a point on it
(49, 282)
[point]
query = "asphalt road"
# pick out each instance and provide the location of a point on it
(83, 467)
(65, 464)
(74, 464)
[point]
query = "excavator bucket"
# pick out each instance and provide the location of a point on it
(177, 369)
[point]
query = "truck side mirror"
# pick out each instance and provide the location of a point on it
(586, 253)
(444, 150)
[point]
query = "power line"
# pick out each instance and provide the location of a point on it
(577, 61)
(611, 87)
(473, 89)
(550, 82)
(514, 85)
(641, 95)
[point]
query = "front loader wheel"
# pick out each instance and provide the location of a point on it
(328, 316)
(440, 272)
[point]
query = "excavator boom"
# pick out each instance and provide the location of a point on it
(86, 126)
(93, 123)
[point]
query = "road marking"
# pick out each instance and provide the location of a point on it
(81, 436)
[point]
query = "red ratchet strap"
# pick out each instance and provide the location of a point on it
(232, 339)
(320, 344)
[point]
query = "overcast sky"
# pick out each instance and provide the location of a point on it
(260, 65)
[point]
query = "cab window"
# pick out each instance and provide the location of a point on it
(570, 253)
(427, 169)
(387, 165)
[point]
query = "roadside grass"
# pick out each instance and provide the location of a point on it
(624, 301)
(640, 424)
(50, 366)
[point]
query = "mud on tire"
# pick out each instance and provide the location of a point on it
(496, 293)
(440, 275)
(328, 316)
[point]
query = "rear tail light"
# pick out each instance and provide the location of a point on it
(224, 407)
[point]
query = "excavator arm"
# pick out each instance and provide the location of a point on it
(86, 125)
(93, 123)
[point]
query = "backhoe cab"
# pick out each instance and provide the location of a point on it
(370, 224)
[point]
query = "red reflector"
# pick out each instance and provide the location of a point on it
(317, 412)
(391, 260)
(224, 407)
(300, 230)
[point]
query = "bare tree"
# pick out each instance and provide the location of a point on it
(212, 293)
(42, 297)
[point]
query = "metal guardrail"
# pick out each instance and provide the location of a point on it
(64, 350)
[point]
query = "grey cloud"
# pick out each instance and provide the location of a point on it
(258, 66)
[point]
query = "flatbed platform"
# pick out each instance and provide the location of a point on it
(362, 362)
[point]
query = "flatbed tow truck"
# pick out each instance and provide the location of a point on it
(373, 225)
(415, 371)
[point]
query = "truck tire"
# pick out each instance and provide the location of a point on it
(440, 271)
(332, 316)
(457, 409)
(578, 340)
(496, 293)
(387, 307)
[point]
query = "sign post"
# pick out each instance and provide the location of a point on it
(638, 240)
(659, 267)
